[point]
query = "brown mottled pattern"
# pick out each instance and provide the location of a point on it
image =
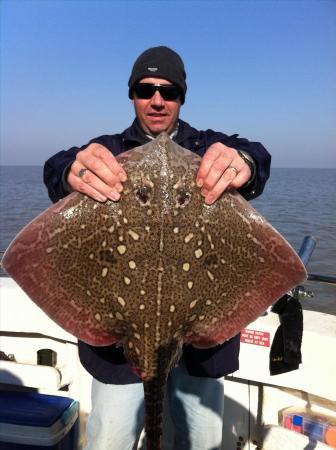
(155, 270)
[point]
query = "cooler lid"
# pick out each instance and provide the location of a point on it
(32, 408)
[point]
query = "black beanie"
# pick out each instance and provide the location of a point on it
(159, 62)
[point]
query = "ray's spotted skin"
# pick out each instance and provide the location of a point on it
(156, 270)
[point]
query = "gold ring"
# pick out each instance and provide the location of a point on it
(81, 173)
(233, 168)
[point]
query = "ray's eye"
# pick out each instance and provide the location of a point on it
(183, 197)
(211, 260)
(106, 256)
(143, 194)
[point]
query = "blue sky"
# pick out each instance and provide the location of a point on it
(263, 69)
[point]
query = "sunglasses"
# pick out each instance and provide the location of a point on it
(167, 91)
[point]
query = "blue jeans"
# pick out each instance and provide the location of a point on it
(196, 407)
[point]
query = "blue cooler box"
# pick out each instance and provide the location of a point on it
(31, 421)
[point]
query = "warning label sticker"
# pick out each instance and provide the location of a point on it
(255, 337)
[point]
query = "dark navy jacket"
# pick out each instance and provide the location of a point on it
(108, 364)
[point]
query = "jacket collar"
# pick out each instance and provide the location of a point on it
(135, 134)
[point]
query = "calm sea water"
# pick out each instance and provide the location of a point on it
(297, 202)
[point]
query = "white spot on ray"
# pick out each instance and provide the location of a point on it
(104, 272)
(190, 284)
(186, 266)
(188, 238)
(98, 317)
(58, 230)
(121, 249)
(172, 308)
(210, 241)
(127, 280)
(134, 235)
(193, 304)
(210, 275)
(142, 292)
(119, 316)
(176, 230)
(132, 265)
(121, 301)
(198, 253)
(142, 307)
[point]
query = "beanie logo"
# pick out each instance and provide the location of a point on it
(152, 69)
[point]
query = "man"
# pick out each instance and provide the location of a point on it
(157, 87)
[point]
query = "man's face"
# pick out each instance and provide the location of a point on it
(156, 114)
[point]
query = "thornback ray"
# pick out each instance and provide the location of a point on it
(156, 270)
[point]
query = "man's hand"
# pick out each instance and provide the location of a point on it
(96, 173)
(221, 167)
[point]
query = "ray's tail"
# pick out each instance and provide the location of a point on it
(154, 402)
(155, 392)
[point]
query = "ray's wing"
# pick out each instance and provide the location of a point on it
(238, 265)
(72, 261)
